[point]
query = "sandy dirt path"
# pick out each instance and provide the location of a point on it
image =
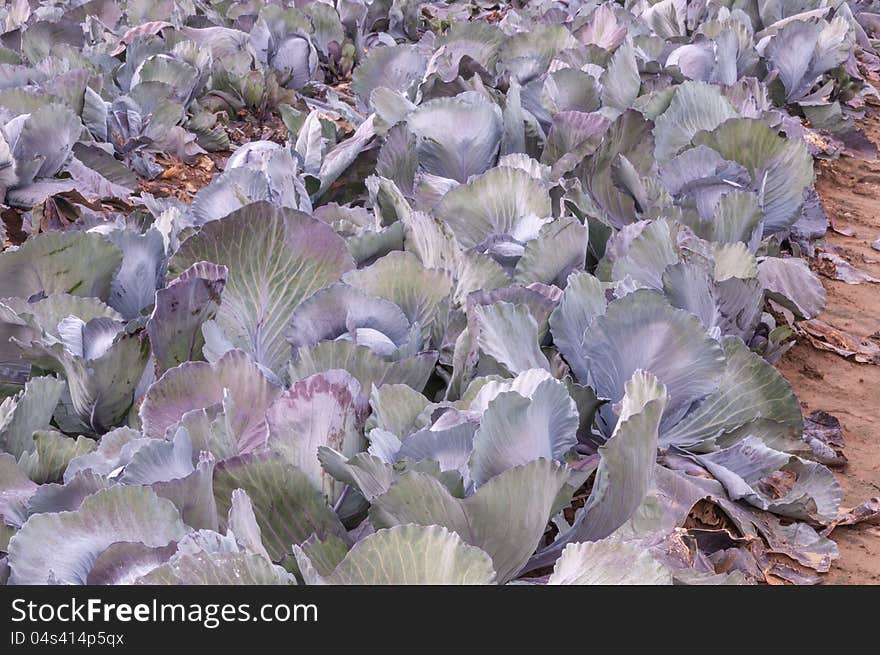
(850, 191)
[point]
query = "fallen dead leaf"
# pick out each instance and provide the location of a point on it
(172, 172)
(12, 220)
(737, 559)
(143, 29)
(823, 435)
(54, 217)
(183, 180)
(251, 128)
(783, 570)
(867, 512)
(706, 515)
(826, 337)
(820, 143)
(837, 268)
(778, 484)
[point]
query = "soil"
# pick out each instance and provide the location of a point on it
(850, 191)
(183, 180)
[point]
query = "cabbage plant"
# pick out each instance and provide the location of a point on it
(498, 305)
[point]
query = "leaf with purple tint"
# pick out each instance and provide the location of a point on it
(366, 367)
(457, 137)
(397, 68)
(16, 490)
(199, 385)
(776, 482)
(642, 331)
(217, 568)
(626, 468)
(76, 263)
(26, 412)
(102, 364)
(167, 467)
(608, 562)
(287, 506)
(275, 258)
(505, 517)
(124, 562)
(341, 311)
(406, 555)
(516, 429)
(63, 547)
(326, 409)
(175, 327)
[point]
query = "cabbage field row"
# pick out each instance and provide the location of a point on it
(499, 305)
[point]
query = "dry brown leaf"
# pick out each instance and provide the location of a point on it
(823, 435)
(827, 337)
(867, 512)
(837, 268)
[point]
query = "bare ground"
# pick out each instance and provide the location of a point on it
(850, 191)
